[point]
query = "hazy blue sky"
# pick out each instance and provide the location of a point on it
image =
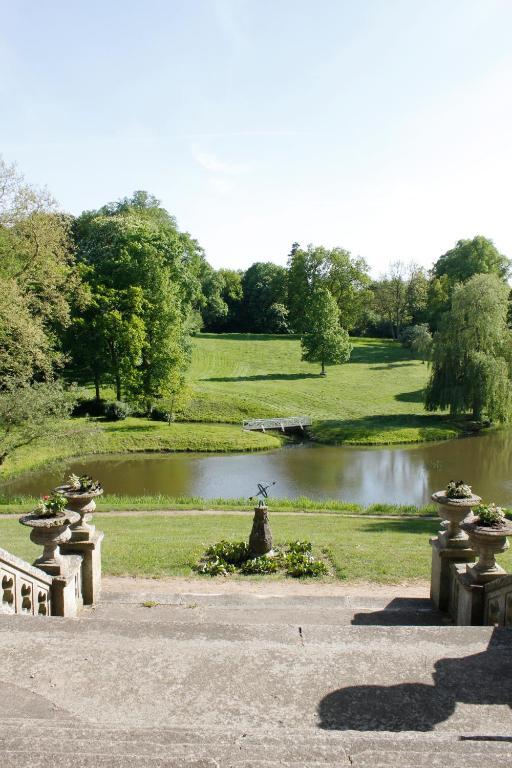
(383, 126)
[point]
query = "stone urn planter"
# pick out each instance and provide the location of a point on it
(453, 511)
(50, 523)
(80, 494)
(488, 532)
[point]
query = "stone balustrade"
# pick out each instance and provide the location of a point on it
(466, 581)
(62, 580)
(24, 589)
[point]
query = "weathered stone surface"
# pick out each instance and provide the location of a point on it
(90, 551)
(260, 540)
(441, 575)
(170, 686)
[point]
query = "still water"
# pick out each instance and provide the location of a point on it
(404, 475)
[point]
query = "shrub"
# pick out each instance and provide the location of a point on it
(260, 565)
(159, 414)
(117, 410)
(233, 552)
(89, 407)
(300, 565)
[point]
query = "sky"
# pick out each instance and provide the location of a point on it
(380, 126)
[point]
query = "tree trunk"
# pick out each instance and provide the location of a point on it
(97, 385)
(118, 387)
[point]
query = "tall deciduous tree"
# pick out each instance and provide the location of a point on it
(264, 287)
(471, 359)
(324, 342)
(345, 276)
(401, 296)
(142, 290)
(469, 257)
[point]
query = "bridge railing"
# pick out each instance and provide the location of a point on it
(284, 423)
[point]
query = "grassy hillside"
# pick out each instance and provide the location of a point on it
(376, 398)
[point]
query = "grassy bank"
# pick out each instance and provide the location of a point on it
(111, 503)
(374, 399)
(132, 435)
(385, 551)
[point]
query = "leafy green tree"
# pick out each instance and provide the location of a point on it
(472, 257)
(37, 273)
(345, 276)
(471, 357)
(264, 286)
(469, 257)
(324, 342)
(232, 294)
(400, 297)
(421, 341)
(142, 292)
(31, 411)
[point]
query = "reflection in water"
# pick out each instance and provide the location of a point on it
(405, 475)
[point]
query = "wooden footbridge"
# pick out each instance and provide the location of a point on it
(284, 423)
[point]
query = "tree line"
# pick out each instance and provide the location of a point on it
(113, 296)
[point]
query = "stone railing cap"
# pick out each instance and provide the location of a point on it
(20, 565)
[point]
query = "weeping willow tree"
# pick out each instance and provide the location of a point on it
(472, 353)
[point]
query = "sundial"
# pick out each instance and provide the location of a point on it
(263, 492)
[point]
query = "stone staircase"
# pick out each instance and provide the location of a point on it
(253, 681)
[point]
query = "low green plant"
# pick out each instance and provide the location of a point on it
(299, 547)
(215, 567)
(260, 565)
(232, 552)
(116, 410)
(150, 604)
(52, 505)
(303, 564)
(490, 515)
(458, 489)
(296, 559)
(82, 483)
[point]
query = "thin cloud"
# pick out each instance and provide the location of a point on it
(212, 163)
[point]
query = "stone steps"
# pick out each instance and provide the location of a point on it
(238, 681)
(265, 610)
(94, 745)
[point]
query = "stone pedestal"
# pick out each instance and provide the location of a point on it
(260, 540)
(67, 588)
(443, 558)
(467, 598)
(90, 551)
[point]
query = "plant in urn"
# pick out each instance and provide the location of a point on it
(50, 522)
(488, 531)
(455, 504)
(81, 492)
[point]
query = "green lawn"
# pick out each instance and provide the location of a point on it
(385, 551)
(134, 434)
(374, 399)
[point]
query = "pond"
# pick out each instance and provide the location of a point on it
(402, 474)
